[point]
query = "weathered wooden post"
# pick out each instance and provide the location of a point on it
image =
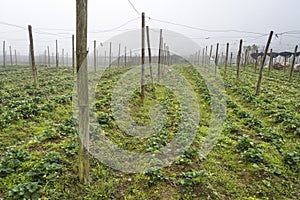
(256, 60)
(56, 54)
(119, 55)
(239, 60)
(226, 59)
(34, 69)
(258, 86)
(82, 89)
(125, 57)
(143, 58)
(149, 54)
(73, 53)
(48, 56)
(109, 59)
(11, 60)
(293, 62)
(16, 59)
(216, 59)
(95, 55)
(63, 57)
(4, 57)
(159, 56)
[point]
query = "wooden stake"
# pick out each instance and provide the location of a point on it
(48, 56)
(159, 55)
(16, 59)
(73, 53)
(11, 60)
(216, 59)
(34, 69)
(82, 89)
(4, 57)
(256, 60)
(239, 60)
(56, 54)
(125, 57)
(143, 58)
(226, 59)
(109, 60)
(258, 87)
(293, 62)
(63, 57)
(95, 55)
(119, 54)
(149, 54)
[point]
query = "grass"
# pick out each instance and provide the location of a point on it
(256, 157)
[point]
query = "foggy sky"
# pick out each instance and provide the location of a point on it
(55, 19)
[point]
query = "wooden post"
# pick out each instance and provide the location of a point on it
(16, 59)
(239, 60)
(159, 55)
(82, 89)
(245, 61)
(119, 54)
(109, 59)
(63, 57)
(271, 61)
(203, 58)
(73, 53)
(11, 60)
(231, 56)
(56, 54)
(48, 56)
(95, 55)
(256, 60)
(143, 58)
(210, 54)
(226, 59)
(293, 62)
(45, 58)
(149, 54)
(4, 57)
(216, 59)
(125, 57)
(258, 87)
(34, 69)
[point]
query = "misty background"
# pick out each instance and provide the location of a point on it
(189, 23)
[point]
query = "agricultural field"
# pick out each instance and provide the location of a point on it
(256, 157)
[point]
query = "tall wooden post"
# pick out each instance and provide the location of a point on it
(73, 53)
(104, 58)
(226, 59)
(210, 54)
(216, 59)
(109, 60)
(159, 55)
(63, 57)
(143, 58)
(231, 56)
(125, 57)
(258, 86)
(95, 55)
(34, 69)
(256, 60)
(16, 58)
(293, 62)
(119, 55)
(56, 54)
(82, 89)
(239, 60)
(48, 56)
(149, 54)
(203, 58)
(11, 60)
(4, 57)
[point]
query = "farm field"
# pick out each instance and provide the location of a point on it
(256, 157)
